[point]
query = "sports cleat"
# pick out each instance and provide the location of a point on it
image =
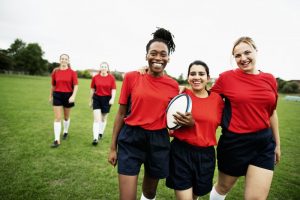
(65, 135)
(95, 142)
(55, 144)
(100, 136)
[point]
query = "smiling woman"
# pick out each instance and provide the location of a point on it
(139, 127)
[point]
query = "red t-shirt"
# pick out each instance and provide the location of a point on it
(249, 100)
(207, 113)
(64, 80)
(147, 97)
(103, 85)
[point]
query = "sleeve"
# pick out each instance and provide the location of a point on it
(74, 78)
(93, 86)
(217, 87)
(114, 86)
(126, 89)
(53, 78)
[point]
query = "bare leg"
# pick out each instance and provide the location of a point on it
(127, 187)
(149, 186)
(258, 182)
(225, 183)
(185, 194)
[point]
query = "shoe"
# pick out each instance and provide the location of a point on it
(95, 142)
(55, 144)
(65, 135)
(100, 136)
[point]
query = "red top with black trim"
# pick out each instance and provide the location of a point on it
(64, 80)
(148, 98)
(207, 113)
(249, 100)
(103, 85)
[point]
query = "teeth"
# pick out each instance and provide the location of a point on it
(157, 64)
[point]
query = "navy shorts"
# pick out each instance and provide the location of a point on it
(191, 167)
(62, 99)
(137, 146)
(102, 103)
(235, 152)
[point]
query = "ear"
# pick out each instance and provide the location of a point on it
(168, 59)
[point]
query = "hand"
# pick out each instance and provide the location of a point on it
(112, 157)
(111, 102)
(72, 99)
(184, 119)
(143, 70)
(277, 154)
(182, 89)
(50, 99)
(91, 104)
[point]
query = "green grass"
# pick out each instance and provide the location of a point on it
(30, 169)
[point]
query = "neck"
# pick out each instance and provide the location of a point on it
(63, 67)
(200, 93)
(156, 74)
(103, 73)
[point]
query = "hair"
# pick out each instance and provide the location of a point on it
(199, 62)
(246, 40)
(106, 64)
(165, 36)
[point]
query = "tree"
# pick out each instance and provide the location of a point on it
(6, 62)
(290, 87)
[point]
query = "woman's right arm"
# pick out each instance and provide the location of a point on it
(51, 94)
(118, 124)
(91, 97)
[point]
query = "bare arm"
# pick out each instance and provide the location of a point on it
(72, 98)
(119, 122)
(113, 95)
(51, 93)
(275, 129)
(92, 91)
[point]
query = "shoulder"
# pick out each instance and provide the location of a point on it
(132, 74)
(267, 75)
(170, 79)
(55, 70)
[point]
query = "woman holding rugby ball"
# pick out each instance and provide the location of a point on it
(249, 145)
(139, 134)
(62, 95)
(103, 92)
(192, 157)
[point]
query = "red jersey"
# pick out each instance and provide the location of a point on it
(103, 85)
(147, 97)
(207, 113)
(249, 100)
(64, 80)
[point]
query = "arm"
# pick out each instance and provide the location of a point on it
(51, 94)
(275, 129)
(113, 95)
(72, 98)
(91, 97)
(119, 122)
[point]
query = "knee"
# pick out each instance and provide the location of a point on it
(223, 188)
(149, 194)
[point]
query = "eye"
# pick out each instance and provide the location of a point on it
(237, 55)
(247, 52)
(202, 73)
(193, 73)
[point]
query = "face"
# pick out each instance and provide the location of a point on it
(64, 60)
(245, 57)
(103, 67)
(198, 78)
(157, 58)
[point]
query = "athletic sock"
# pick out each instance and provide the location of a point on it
(144, 198)
(57, 130)
(214, 195)
(95, 130)
(66, 125)
(100, 128)
(104, 126)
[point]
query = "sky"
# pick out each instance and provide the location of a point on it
(117, 31)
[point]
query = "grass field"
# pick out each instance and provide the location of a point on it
(30, 169)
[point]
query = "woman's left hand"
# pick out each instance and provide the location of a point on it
(277, 154)
(184, 119)
(72, 99)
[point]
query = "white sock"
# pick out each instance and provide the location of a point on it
(57, 129)
(104, 126)
(66, 125)
(214, 195)
(101, 127)
(95, 130)
(144, 198)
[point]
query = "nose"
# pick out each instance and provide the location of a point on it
(243, 57)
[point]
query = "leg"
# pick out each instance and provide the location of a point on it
(222, 187)
(149, 186)
(103, 121)
(257, 183)
(184, 194)
(96, 125)
(57, 124)
(67, 112)
(128, 187)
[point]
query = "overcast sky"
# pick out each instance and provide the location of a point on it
(117, 31)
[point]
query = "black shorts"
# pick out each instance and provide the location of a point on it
(137, 146)
(102, 103)
(235, 152)
(191, 166)
(62, 99)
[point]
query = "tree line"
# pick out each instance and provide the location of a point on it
(28, 58)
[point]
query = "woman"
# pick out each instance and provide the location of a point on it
(249, 145)
(103, 92)
(192, 157)
(139, 132)
(62, 95)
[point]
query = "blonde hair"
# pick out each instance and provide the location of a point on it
(246, 40)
